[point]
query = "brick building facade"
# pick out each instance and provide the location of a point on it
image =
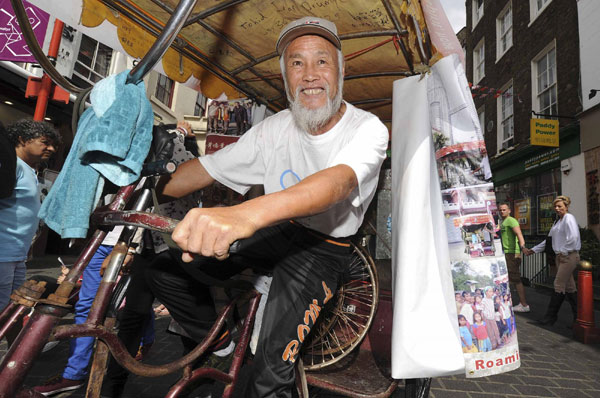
(523, 56)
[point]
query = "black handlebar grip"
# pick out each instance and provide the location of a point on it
(159, 167)
(234, 247)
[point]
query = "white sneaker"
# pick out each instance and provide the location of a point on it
(521, 308)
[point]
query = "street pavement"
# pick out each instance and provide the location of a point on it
(553, 364)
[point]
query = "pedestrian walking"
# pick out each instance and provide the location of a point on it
(566, 243)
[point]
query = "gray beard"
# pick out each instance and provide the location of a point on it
(311, 120)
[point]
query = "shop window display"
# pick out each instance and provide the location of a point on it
(531, 201)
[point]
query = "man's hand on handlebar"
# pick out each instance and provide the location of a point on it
(210, 231)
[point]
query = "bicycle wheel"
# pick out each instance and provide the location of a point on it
(346, 318)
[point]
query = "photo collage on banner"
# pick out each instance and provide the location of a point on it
(488, 333)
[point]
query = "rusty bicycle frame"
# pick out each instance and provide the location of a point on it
(42, 325)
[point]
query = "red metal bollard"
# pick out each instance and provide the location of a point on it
(584, 328)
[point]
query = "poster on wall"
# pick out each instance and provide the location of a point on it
(523, 214)
(545, 213)
(218, 194)
(12, 43)
(230, 117)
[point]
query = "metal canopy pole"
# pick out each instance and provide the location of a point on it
(162, 43)
(45, 91)
(396, 22)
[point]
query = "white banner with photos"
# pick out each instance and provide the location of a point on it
(451, 299)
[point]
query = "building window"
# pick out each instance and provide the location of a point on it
(164, 90)
(477, 11)
(544, 67)
(541, 4)
(93, 62)
(536, 7)
(504, 31)
(479, 62)
(506, 119)
(200, 106)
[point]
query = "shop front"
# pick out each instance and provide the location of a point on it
(529, 178)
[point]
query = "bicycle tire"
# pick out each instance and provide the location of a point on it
(346, 319)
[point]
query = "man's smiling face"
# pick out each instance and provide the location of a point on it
(312, 71)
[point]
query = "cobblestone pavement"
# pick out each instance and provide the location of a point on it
(553, 364)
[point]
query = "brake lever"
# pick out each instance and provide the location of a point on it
(150, 221)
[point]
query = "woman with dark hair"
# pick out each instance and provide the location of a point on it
(566, 243)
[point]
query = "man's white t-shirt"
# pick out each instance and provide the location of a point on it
(277, 155)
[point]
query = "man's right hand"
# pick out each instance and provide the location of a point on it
(210, 231)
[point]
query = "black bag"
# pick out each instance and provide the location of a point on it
(548, 250)
(550, 255)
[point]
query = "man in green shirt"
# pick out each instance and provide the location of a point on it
(512, 242)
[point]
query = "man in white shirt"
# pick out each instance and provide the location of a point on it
(319, 163)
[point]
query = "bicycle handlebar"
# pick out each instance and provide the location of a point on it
(157, 168)
(151, 221)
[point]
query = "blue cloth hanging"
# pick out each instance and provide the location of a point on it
(113, 139)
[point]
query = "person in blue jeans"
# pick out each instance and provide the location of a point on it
(76, 371)
(80, 352)
(81, 348)
(27, 144)
(33, 144)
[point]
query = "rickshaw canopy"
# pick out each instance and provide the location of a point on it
(228, 47)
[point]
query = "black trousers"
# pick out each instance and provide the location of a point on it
(307, 270)
(138, 305)
(132, 317)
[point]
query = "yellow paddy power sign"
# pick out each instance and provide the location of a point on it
(544, 132)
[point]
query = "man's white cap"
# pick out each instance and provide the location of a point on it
(308, 26)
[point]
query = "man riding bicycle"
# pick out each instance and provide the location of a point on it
(319, 163)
